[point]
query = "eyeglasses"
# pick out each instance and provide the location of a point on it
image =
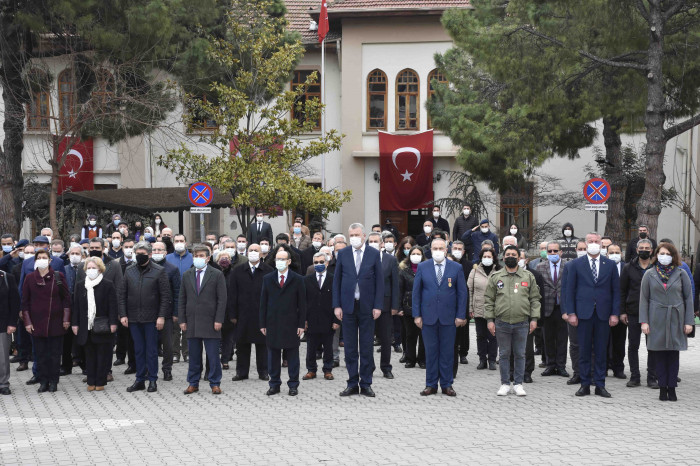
(319, 263)
(552, 251)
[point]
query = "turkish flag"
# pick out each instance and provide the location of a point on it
(76, 173)
(405, 170)
(323, 21)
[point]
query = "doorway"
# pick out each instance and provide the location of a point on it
(406, 222)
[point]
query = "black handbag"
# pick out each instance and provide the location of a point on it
(100, 326)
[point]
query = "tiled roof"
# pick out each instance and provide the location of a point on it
(396, 4)
(299, 20)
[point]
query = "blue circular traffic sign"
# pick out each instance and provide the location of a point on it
(596, 190)
(200, 194)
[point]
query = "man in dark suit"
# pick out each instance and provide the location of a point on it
(618, 333)
(128, 258)
(440, 300)
(258, 230)
(70, 349)
(201, 313)
(358, 298)
(424, 238)
(631, 252)
(283, 238)
(555, 328)
(593, 306)
(166, 335)
(321, 323)
(282, 320)
(245, 286)
(438, 222)
(385, 323)
(307, 255)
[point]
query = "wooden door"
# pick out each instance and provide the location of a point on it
(398, 219)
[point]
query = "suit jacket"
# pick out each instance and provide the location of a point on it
(123, 264)
(390, 270)
(319, 304)
(175, 282)
(71, 275)
(440, 303)
(304, 242)
(105, 306)
(244, 290)
(9, 301)
(550, 291)
(201, 310)
(370, 280)
(283, 309)
(254, 237)
(583, 297)
(307, 257)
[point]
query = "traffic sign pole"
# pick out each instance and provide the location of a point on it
(200, 195)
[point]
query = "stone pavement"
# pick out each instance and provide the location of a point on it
(243, 426)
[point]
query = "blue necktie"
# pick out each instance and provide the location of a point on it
(594, 271)
(439, 274)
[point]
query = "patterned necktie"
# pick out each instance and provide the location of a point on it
(281, 281)
(199, 280)
(320, 280)
(358, 260)
(556, 277)
(594, 270)
(439, 274)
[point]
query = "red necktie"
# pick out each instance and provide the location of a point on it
(281, 281)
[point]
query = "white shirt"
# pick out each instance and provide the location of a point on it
(591, 260)
(442, 266)
(354, 259)
(321, 276)
(253, 266)
(551, 269)
(201, 276)
(280, 275)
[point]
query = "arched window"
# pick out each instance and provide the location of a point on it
(407, 100)
(313, 91)
(376, 100)
(439, 77)
(39, 106)
(66, 99)
(103, 92)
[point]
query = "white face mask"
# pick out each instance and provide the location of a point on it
(416, 258)
(179, 247)
(513, 231)
(116, 243)
(128, 252)
(521, 263)
(604, 252)
(55, 254)
(436, 214)
(281, 265)
(93, 223)
(316, 244)
(374, 245)
(231, 251)
(484, 230)
(75, 259)
(466, 212)
(241, 247)
(92, 273)
(593, 249)
(581, 253)
(438, 256)
(265, 248)
(487, 261)
(253, 256)
(328, 258)
(157, 221)
(665, 259)
(21, 255)
(157, 257)
(41, 264)
(259, 218)
(615, 257)
(427, 230)
(457, 254)
(389, 247)
(199, 262)
(355, 241)
(567, 233)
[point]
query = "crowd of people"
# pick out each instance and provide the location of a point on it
(131, 294)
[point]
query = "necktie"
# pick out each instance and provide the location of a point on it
(320, 280)
(281, 281)
(259, 227)
(439, 274)
(594, 270)
(199, 280)
(358, 259)
(556, 277)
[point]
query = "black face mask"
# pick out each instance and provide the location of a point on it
(511, 262)
(643, 235)
(644, 255)
(167, 239)
(95, 253)
(141, 259)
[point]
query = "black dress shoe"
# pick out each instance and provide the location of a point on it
(367, 392)
(336, 363)
(152, 387)
(118, 362)
(379, 350)
(527, 378)
(482, 365)
(5, 391)
(492, 366)
(137, 386)
(542, 365)
(272, 391)
(350, 391)
(53, 387)
(130, 370)
(562, 372)
(421, 365)
(186, 358)
(293, 392)
(397, 349)
(601, 391)
(678, 380)
(620, 375)
(663, 394)
(634, 383)
(575, 380)
(237, 377)
(449, 391)
(402, 359)
(549, 371)
(388, 375)
(463, 360)
(653, 384)
(23, 366)
(584, 390)
(672, 394)
(427, 391)
(167, 376)
(33, 380)
(263, 377)
(285, 363)
(15, 359)
(410, 365)
(44, 387)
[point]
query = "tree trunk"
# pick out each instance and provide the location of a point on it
(615, 216)
(53, 195)
(649, 206)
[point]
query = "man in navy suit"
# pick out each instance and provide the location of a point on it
(439, 306)
(593, 306)
(358, 296)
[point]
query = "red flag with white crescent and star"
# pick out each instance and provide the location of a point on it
(405, 171)
(323, 21)
(76, 174)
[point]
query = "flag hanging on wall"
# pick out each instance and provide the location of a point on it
(76, 173)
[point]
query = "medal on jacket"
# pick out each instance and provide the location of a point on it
(516, 287)
(449, 282)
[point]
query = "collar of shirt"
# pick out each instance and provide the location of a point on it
(362, 248)
(201, 276)
(321, 275)
(280, 275)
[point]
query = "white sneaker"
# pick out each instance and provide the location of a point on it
(519, 390)
(504, 390)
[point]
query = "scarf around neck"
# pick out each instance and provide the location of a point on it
(92, 307)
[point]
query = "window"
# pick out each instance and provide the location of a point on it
(39, 111)
(66, 99)
(516, 208)
(313, 91)
(376, 100)
(439, 77)
(200, 122)
(103, 91)
(407, 100)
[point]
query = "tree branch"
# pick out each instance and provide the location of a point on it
(681, 127)
(674, 9)
(642, 9)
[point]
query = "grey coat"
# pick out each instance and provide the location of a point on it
(666, 310)
(200, 312)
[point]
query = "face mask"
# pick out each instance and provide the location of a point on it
(141, 259)
(147, 235)
(320, 268)
(484, 230)
(265, 248)
(665, 260)
(225, 263)
(615, 257)
(241, 247)
(543, 254)
(231, 251)
(581, 253)
(95, 253)
(137, 226)
(75, 259)
(93, 223)
(439, 256)
(513, 231)
(297, 230)
(389, 247)
(593, 249)
(427, 230)
(406, 252)
(259, 218)
(128, 252)
(316, 244)
(92, 273)
(374, 245)
(281, 265)
(416, 258)
(124, 232)
(604, 252)
(567, 233)
(55, 254)
(487, 261)
(457, 254)
(466, 212)
(511, 262)
(436, 214)
(21, 255)
(643, 235)
(254, 256)
(199, 262)
(179, 247)
(157, 221)
(41, 264)
(117, 222)
(355, 241)
(7, 249)
(644, 255)
(328, 258)
(157, 257)
(167, 239)
(553, 258)
(116, 243)
(211, 242)
(521, 263)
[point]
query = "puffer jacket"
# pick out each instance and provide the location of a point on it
(145, 295)
(567, 244)
(406, 276)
